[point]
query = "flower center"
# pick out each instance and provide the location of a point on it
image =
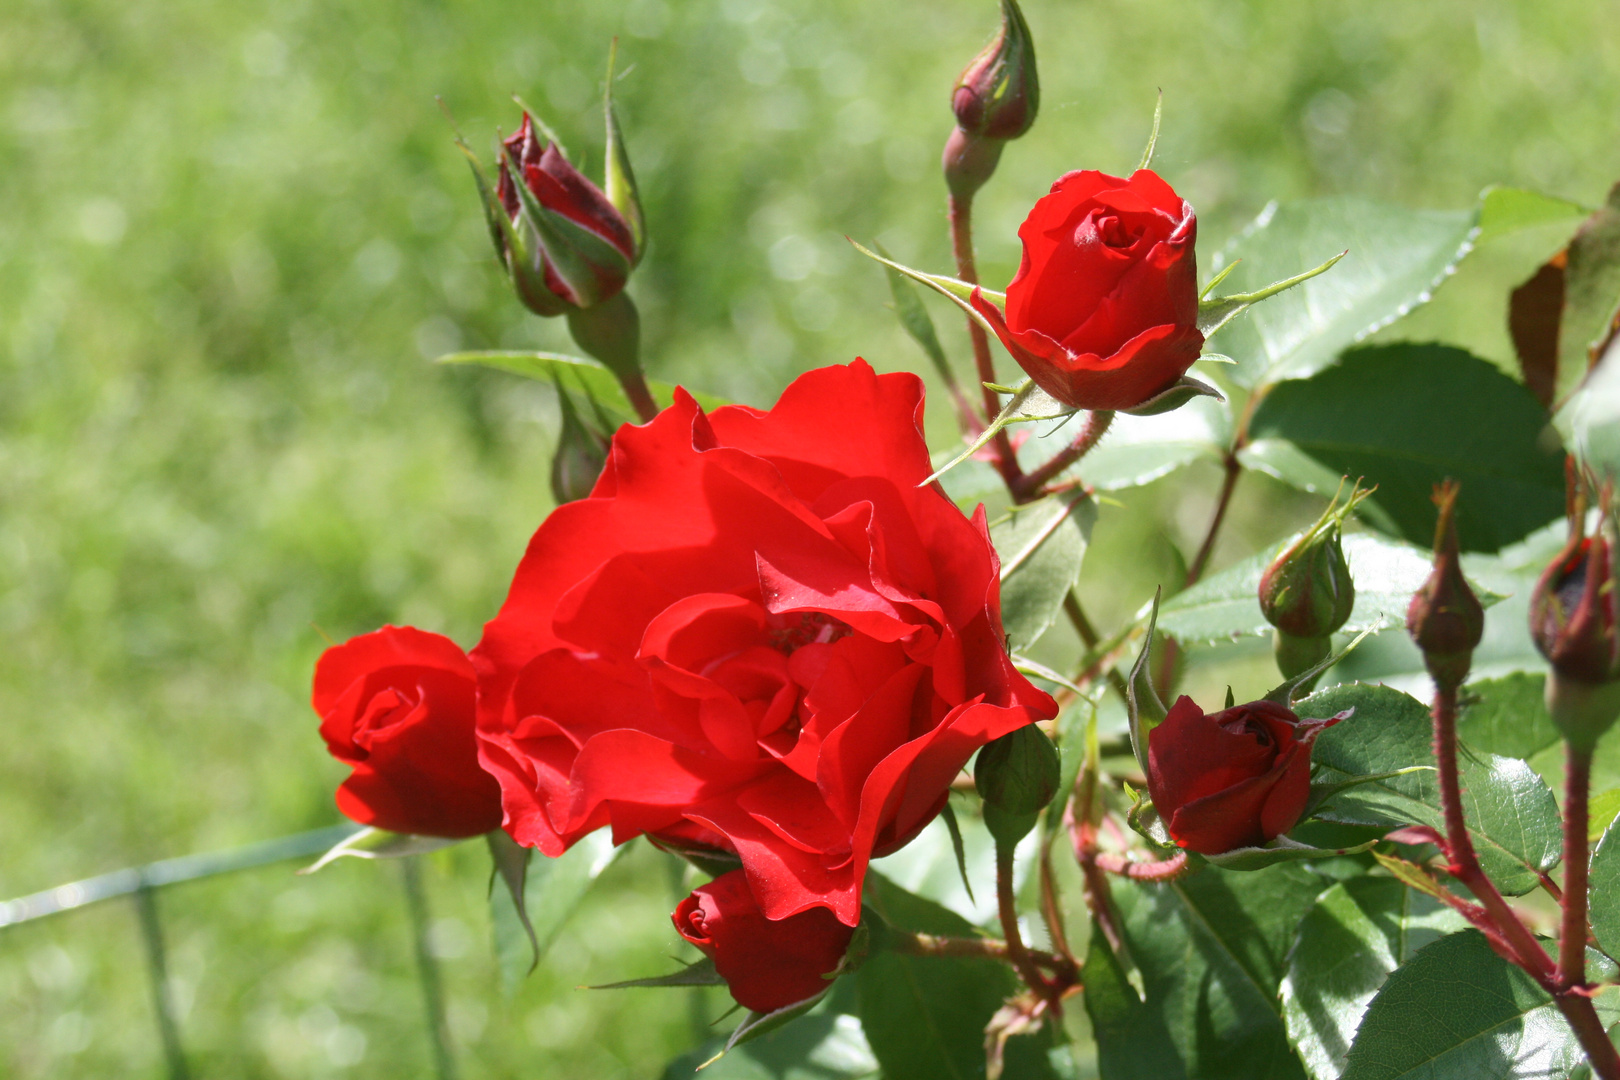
(789, 633)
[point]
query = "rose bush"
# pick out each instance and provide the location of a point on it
(766, 964)
(1232, 779)
(1103, 312)
(757, 637)
(398, 706)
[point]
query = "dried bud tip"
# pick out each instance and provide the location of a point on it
(1445, 617)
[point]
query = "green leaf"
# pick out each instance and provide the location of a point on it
(1211, 948)
(1507, 715)
(825, 1044)
(924, 1016)
(1457, 1011)
(1590, 420)
(1604, 890)
(590, 376)
(1591, 291)
(551, 893)
(1512, 816)
(1602, 809)
(1358, 932)
(1397, 416)
(1396, 258)
(1227, 605)
(1041, 545)
(928, 867)
(1504, 210)
(1279, 850)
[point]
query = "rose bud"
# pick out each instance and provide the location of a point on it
(568, 246)
(999, 93)
(1573, 615)
(1237, 778)
(1103, 313)
(1445, 618)
(1306, 592)
(766, 964)
(580, 455)
(398, 706)
(1016, 776)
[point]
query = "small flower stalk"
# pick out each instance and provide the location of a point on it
(995, 100)
(581, 453)
(1307, 592)
(1573, 615)
(1445, 618)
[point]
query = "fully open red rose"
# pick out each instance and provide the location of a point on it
(766, 964)
(1232, 779)
(758, 635)
(1103, 312)
(398, 705)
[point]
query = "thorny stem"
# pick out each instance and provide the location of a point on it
(1161, 870)
(1096, 426)
(961, 217)
(1172, 650)
(1018, 954)
(1572, 940)
(917, 944)
(1088, 636)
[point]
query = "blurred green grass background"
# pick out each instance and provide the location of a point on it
(235, 235)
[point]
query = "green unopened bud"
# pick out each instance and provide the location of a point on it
(1016, 775)
(1445, 617)
(581, 453)
(999, 93)
(1307, 591)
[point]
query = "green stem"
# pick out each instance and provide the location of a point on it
(427, 969)
(961, 219)
(157, 971)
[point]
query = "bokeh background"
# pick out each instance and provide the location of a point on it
(235, 235)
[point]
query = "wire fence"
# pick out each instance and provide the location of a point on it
(142, 884)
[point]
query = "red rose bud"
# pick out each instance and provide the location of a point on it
(999, 93)
(1445, 617)
(398, 706)
(767, 964)
(1103, 312)
(1237, 778)
(567, 246)
(1573, 616)
(1016, 775)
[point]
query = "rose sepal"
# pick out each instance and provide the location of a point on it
(511, 246)
(619, 180)
(374, 843)
(756, 1024)
(1321, 793)
(958, 292)
(711, 861)
(1284, 695)
(1143, 708)
(1279, 850)
(1175, 396)
(1216, 312)
(1144, 818)
(1028, 403)
(698, 973)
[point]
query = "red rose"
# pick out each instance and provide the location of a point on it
(758, 636)
(1103, 313)
(580, 250)
(766, 964)
(1232, 779)
(398, 705)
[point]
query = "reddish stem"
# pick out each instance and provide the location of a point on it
(1029, 486)
(1572, 940)
(1460, 847)
(1233, 470)
(1160, 870)
(1018, 954)
(1583, 1018)
(961, 218)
